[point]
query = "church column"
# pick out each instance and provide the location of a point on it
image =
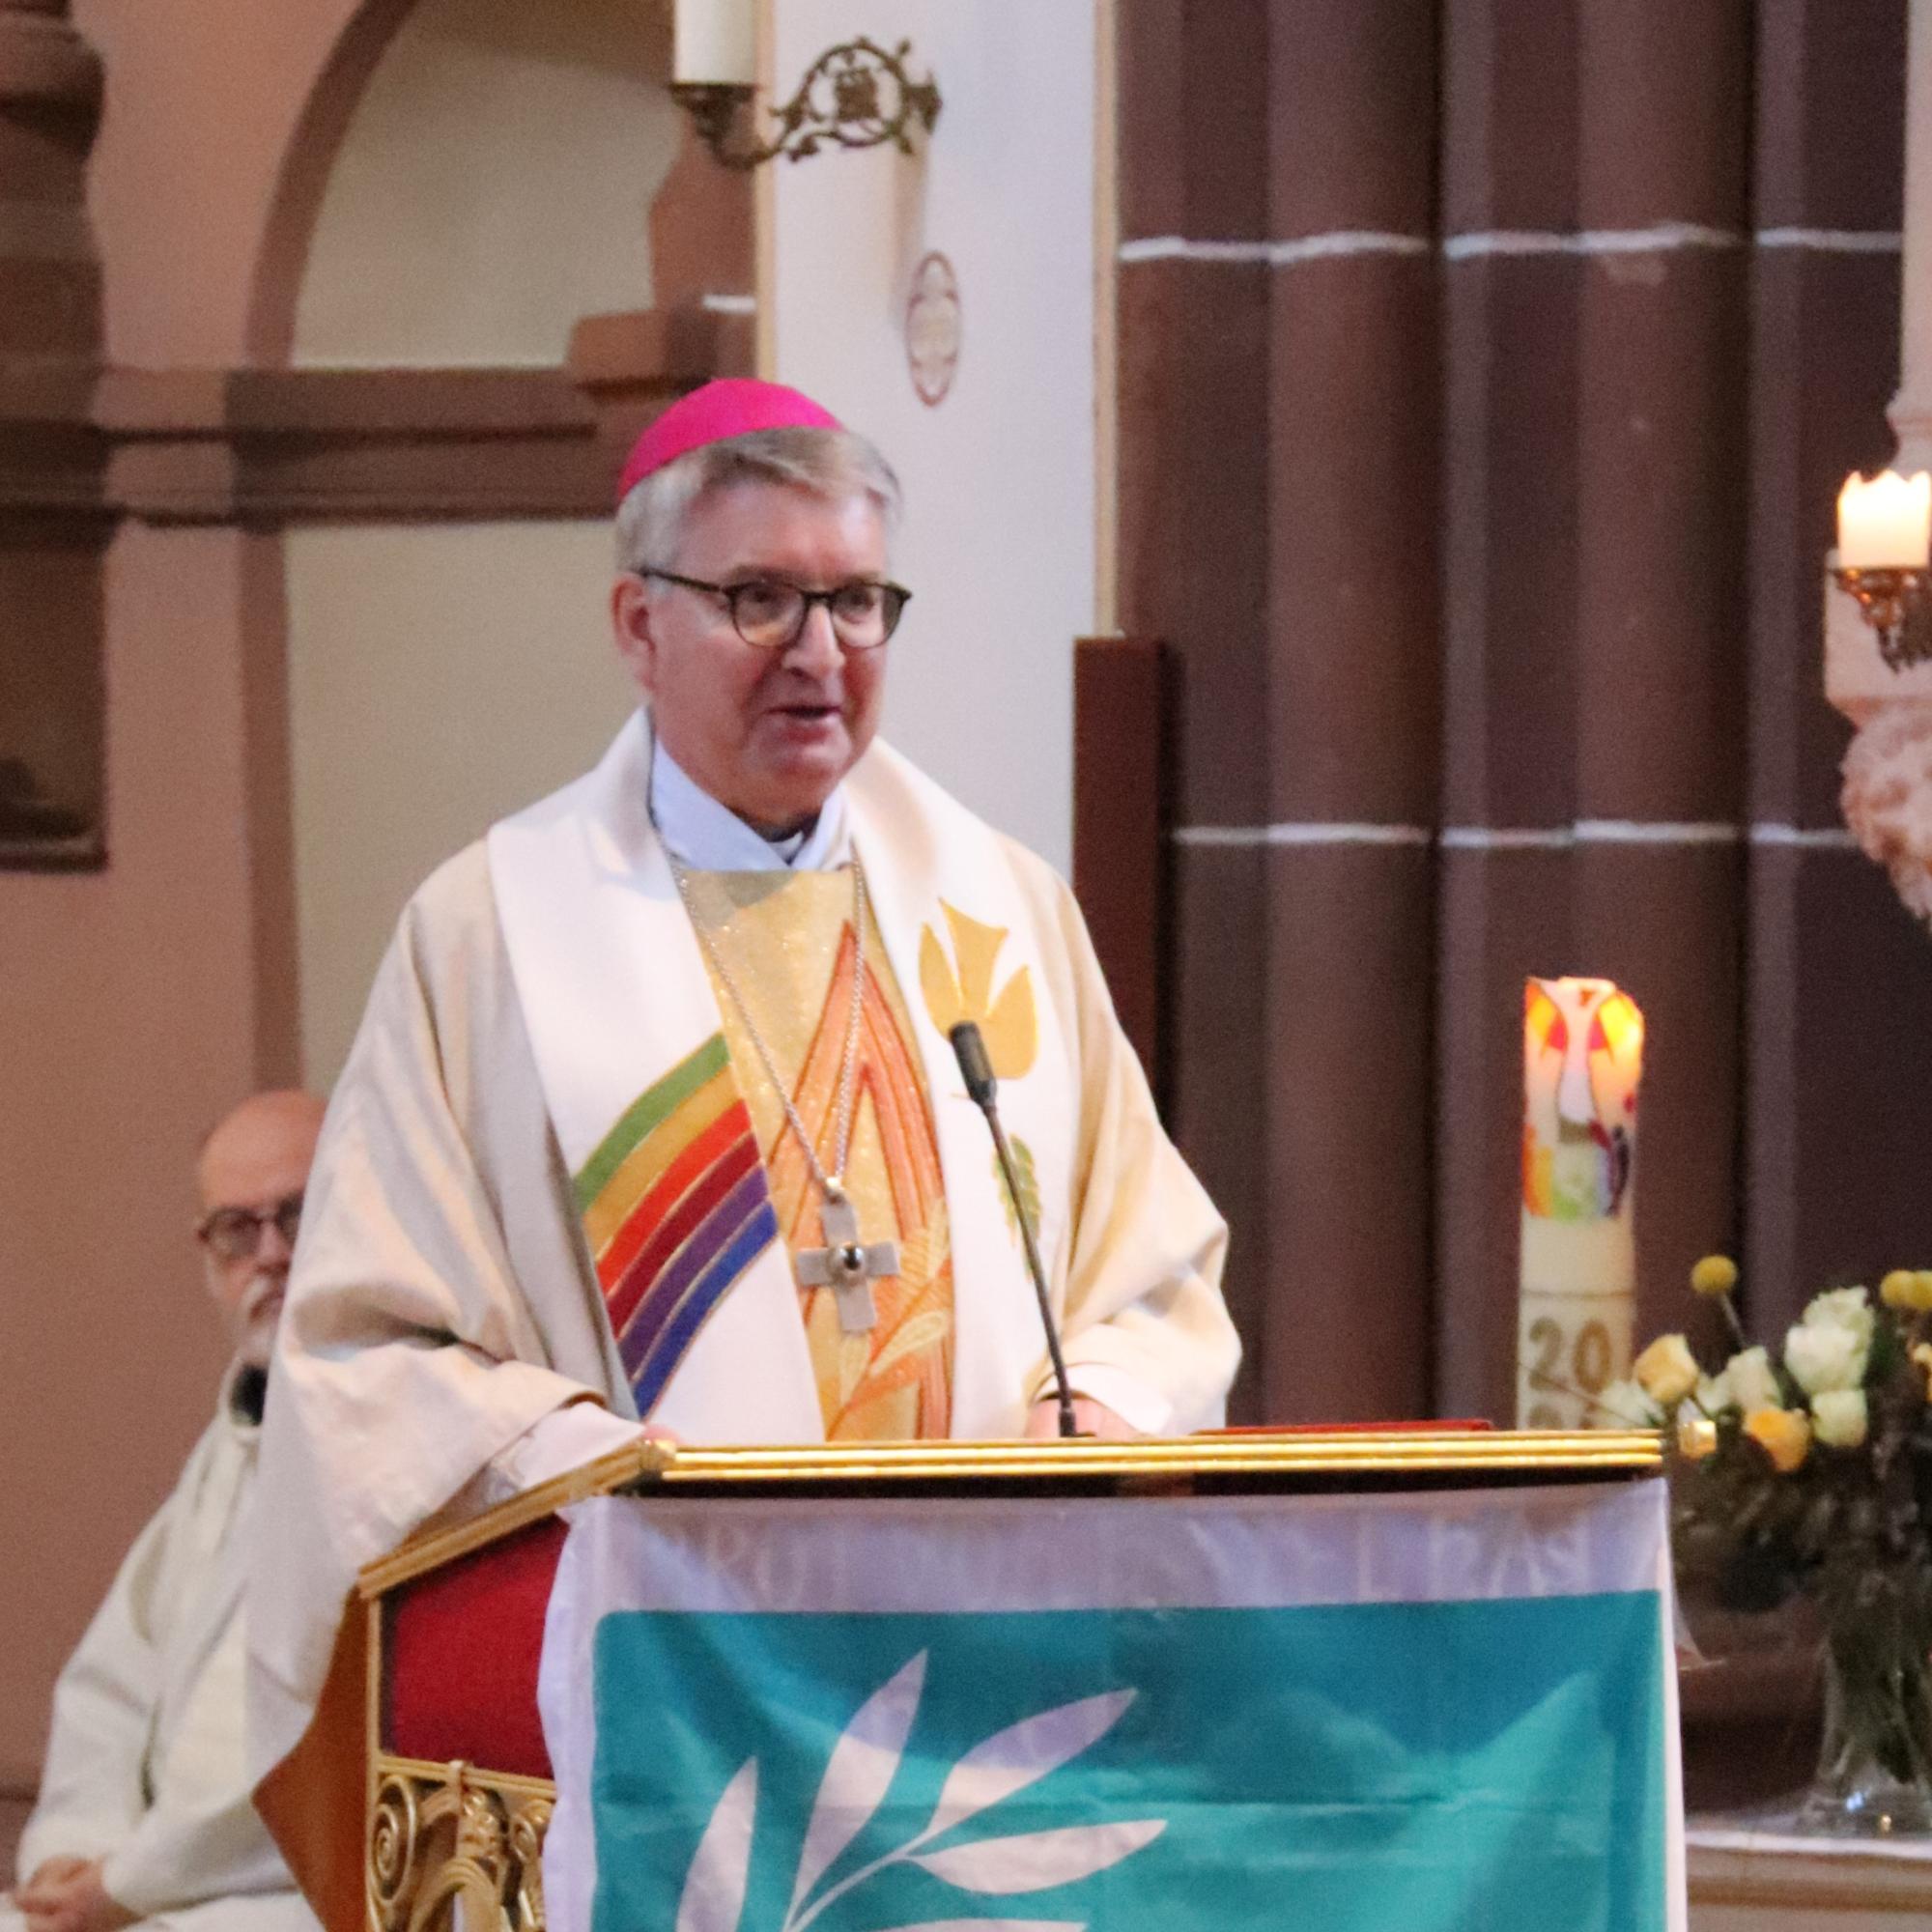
(1353, 705)
(51, 529)
(1592, 601)
(1840, 1094)
(1193, 374)
(1912, 407)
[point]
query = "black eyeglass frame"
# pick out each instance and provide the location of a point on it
(218, 1229)
(897, 597)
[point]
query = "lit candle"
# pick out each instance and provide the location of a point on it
(1583, 1060)
(717, 41)
(1886, 524)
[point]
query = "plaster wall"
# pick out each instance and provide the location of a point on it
(203, 100)
(492, 187)
(999, 540)
(127, 1029)
(439, 677)
(135, 997)
(130, 1022)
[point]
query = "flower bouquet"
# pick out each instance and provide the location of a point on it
(1812, 1473)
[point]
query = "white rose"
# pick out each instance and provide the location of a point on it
(1847, 1308)
(1715, 1395)
(1825, 1356)
(1624, 1406)
(1839, 1417)
(1751, 1380)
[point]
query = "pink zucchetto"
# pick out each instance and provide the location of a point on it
(732, 406)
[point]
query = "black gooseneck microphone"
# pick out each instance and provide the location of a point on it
(976, 1070)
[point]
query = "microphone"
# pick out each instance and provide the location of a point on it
(982, 1089)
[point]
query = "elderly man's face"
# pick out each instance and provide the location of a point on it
(256, 1162)
(767, 732)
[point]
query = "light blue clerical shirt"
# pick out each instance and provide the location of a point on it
(705, 836)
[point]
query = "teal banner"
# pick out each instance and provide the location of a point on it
(1490, 1766)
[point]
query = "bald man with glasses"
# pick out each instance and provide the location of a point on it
(144, 1815)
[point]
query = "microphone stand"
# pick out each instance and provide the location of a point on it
(976, 1067)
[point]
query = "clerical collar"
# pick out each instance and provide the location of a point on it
(705, 836)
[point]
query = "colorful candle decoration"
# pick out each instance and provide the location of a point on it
(1884, 524)
(1582, 1060)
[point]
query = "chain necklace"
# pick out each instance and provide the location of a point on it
(846, 1264)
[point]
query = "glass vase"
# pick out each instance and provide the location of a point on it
(1875, 1769)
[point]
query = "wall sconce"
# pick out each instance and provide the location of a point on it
(1885, 541)
(853, 96)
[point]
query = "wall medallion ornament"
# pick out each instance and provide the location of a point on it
(933, 328)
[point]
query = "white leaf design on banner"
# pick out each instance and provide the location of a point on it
(714, 1887)
(859, 1771)
(1011, 1759)
(1032, 1861)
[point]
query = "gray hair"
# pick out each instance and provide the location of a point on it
(830, 463)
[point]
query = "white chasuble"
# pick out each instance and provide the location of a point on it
(788, 970)
(631, 1049)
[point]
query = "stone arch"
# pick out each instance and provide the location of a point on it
(306, 166)
(698, 222)
(465, 179)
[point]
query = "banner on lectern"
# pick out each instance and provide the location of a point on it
(1434, 1712)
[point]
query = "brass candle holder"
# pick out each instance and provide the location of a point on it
(857, 95)
(1888, 598)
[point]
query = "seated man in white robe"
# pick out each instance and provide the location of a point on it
(145, 1814)
(653, 1119)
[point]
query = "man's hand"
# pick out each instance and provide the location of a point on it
(67, 1895)
(1090, 1417)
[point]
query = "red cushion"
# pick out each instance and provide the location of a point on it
(461, 1659)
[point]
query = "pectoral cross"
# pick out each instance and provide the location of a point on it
(847, 1266)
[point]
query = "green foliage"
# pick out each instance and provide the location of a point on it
(1851, 1527)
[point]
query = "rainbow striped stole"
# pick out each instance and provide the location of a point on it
(675, 1205)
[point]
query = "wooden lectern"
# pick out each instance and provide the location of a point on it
(460, 1782)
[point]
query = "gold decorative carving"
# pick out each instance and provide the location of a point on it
(445, 1836)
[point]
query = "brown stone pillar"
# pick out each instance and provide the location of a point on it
(1593, 602)
(1194, 444)
(51, 528)
(1353, 705)
(1839, 1105)
(1278, 508)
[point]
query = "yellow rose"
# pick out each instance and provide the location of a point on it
(1667, 1370)
(1908, 1288)
(1784, 1434)
(1715, 1275)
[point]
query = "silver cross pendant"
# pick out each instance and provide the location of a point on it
(847, 1266)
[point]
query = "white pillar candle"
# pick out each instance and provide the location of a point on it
(1886, 524)
(1582, 1060)
(715, 41)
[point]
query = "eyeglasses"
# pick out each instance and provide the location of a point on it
(770, 616)
(234, 1234)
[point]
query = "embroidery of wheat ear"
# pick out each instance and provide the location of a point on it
(857, 1777)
